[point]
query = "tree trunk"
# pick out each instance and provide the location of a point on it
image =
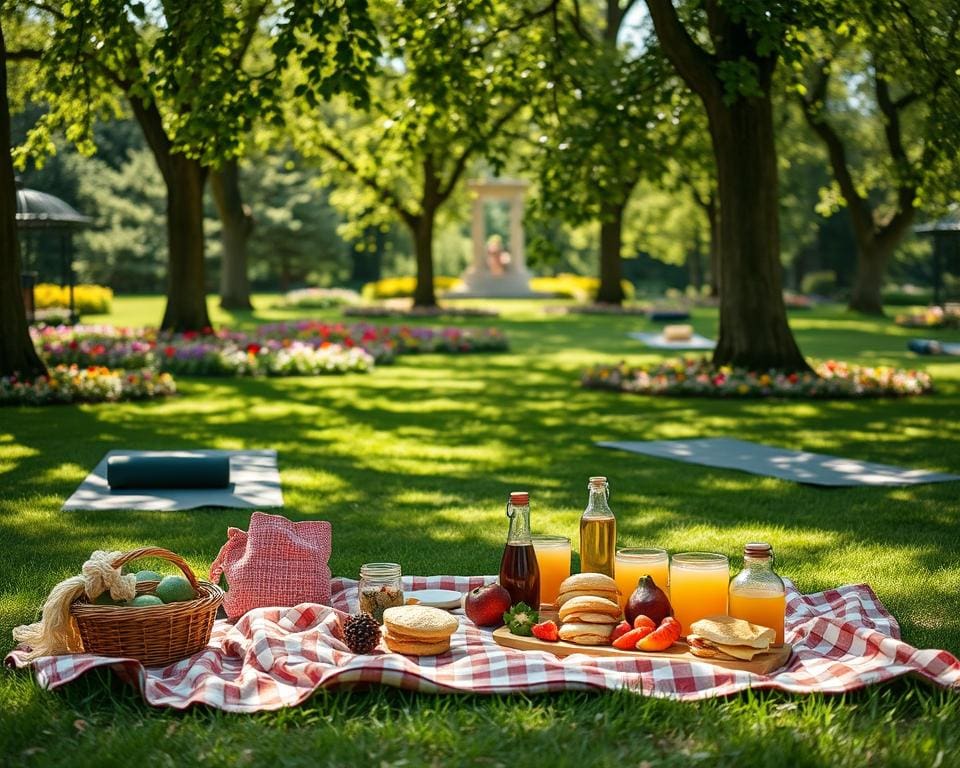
(713, 216)
(695, 263)
(17, 353)
(867, 296)
(611, 264)
(236, 225)
(186, 286)
(753, 320)
(421, 228)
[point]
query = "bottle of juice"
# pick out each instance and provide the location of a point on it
(757, 594)
(598, 531)
(519, 572)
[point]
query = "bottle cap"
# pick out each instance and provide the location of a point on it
(519, 498)
(758, 549)
(598, 482)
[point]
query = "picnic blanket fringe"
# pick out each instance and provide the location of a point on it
(56, 633)
(844, 639)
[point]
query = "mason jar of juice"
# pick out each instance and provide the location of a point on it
(598, 531)
(757, 594)
(698, 586)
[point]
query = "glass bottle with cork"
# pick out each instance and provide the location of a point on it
(757, 594)
(519, 572)
(598, 530)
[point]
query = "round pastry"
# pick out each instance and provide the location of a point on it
(586, 634)
(587, 584)
(418, 630)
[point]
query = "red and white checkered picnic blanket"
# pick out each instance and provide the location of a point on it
(843, 640)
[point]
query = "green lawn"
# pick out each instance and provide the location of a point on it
(412, 462)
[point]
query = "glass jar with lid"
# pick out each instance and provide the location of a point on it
(380, 588)
(757, 594)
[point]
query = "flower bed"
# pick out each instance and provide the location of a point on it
(301, 348)
(934, 317)
(319, 298)
(693, 377)
(93, 384)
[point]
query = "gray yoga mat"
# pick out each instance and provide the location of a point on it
(656, 340)
(125, 473)
(254, 484)
(766, 460)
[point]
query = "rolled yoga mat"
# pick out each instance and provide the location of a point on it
(133, 472)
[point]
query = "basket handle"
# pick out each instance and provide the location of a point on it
(165, 554)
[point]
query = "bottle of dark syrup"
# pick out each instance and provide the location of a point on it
(519, 572)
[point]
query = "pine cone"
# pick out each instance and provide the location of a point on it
(361, 633)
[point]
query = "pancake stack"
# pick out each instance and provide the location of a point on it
(417, 630)
(588, 609)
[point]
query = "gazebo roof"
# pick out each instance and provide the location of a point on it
(949, 223)
(39, 210)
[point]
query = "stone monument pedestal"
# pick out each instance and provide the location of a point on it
(496, 273)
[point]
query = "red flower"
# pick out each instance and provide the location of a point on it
(98, 349)
(73, 344)
(252, 349)
(169, 351)
(189, 335)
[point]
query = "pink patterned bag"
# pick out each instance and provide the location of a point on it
(276, 563)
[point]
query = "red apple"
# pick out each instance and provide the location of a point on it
(486, 605)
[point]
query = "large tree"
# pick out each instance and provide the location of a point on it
(606, 116)
(891, 73)
(452, 81)
(17, 353)
(727, 55)
(175, 63)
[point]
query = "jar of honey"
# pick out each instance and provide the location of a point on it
(757, 594)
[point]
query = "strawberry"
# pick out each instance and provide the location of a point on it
(662, 637)
(546, 630)
(644, 621)
(620, 630)
(629, 641)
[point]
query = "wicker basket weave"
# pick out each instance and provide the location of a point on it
(155, 635)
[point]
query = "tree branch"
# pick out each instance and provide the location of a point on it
(24, 54)
(814, 110)
(694, 64)
(385, 194)
(458, 167)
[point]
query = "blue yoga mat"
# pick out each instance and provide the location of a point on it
(136, 472)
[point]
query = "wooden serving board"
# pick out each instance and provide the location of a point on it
(764, 664)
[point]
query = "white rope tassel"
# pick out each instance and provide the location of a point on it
(56, 633)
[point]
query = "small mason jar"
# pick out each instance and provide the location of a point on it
(380, 588)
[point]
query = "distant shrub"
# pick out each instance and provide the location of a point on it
(320, 298)
(906, 295)
(822, 283)
(88, 299)
(401, 287)
(577, 287)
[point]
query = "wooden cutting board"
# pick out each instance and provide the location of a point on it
(764, 664)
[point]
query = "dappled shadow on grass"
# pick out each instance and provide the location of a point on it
(412, 463)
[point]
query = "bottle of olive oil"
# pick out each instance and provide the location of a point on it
(598, 530)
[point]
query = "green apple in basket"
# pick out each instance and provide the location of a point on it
(143, 601)
(175, 589)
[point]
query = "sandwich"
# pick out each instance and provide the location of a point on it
(586, 634)
(677, 332)
(728, 639)
(589, 609)
(587, 585)
(418, 630)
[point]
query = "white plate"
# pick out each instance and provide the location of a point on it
(436, 598)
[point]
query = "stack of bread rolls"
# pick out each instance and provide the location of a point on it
(417, 630)
(588, 608)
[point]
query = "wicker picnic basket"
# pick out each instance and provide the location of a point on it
(155, 635)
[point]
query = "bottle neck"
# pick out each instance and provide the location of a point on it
(519, 532)
(758, 563)
(597, 503)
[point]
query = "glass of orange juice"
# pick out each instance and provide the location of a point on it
(633, 563)
(553, 560)
(698, 586)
